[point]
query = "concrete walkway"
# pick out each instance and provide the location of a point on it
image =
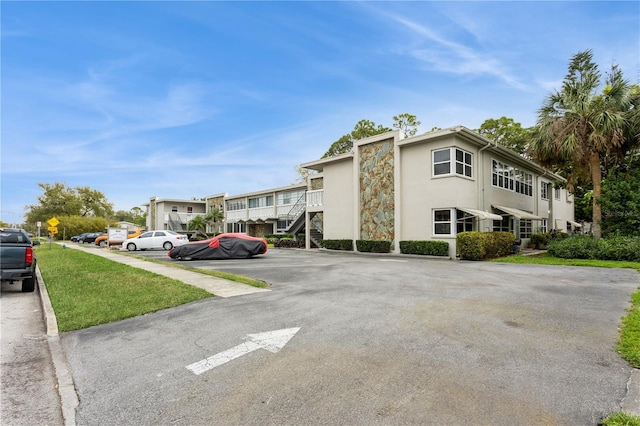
(218, 286)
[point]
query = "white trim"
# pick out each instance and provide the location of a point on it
(480, 213)
(519, 214)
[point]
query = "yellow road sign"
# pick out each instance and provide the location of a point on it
(53, 229)
(53, 221)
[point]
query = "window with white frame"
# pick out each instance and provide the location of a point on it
(265, 201)
(451, 161)
(543, 226)
(292, 197)
(543, 190)
(511, 178)
(464, 222)
(236, 205)
(174, 209)
(556, 193)
(525, 228)
(235, 227)
(503, 225)
(442, 222)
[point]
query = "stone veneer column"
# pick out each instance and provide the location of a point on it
(377, 205)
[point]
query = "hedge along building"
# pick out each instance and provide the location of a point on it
(431, 187)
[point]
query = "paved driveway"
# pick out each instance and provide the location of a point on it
(382, 340)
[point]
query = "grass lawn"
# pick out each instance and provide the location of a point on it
(87, 290)
(629, 344)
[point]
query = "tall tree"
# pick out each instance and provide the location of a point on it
(365, 128)
(406, 122)
(58, 199)
(507, 132)
(580, 126)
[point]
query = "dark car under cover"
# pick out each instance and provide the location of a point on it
(223, 246)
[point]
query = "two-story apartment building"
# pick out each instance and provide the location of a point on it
(173, 214)
(270, 211)
(431, 187)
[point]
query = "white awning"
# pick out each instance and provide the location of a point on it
(480, 213)
(576, 224)
(520, 214)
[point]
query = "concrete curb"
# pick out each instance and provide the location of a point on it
(66, 388)
(631, 402)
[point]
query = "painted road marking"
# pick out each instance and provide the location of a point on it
(272, 341)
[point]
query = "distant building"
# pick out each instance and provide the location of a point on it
(173, 214)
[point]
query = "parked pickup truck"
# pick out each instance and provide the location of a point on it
(17, 258)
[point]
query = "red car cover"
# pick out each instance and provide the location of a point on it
(223, 246)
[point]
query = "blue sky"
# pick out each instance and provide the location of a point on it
(187, 99)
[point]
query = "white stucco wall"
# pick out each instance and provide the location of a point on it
(339, 196)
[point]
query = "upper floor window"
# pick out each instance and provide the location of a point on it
(450, 161)
(236, 205)
(189, 209)
(174, 208)
(557, 193)
(290, 197)
(543, 190)
(511, 178)
(261, 202)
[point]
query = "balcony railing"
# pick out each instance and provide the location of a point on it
(183, 218)
(315, 198)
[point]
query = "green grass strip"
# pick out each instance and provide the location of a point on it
(218, 274)
(622, 419)
(87, 290)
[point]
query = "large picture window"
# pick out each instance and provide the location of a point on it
(236, 205)
(451, 161)
(261, 202)
(511, 178)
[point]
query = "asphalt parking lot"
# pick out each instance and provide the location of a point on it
(380, 340)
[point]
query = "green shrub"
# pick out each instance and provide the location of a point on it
(431, 247)
(540, 240)
(484, 245)
(576, 247)
(470, 245)
(498, 244)
(373, 246)
(346, 245)
(278, 236)
(288, 243)
(618, 248)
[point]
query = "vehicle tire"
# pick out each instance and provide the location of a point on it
(167, 246)
(131, 247)
(80, 241)
(28, 284)
(104, 243)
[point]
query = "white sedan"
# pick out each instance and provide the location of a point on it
(156, 240)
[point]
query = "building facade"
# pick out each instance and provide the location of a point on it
(173, 214)
(431, 187)
(271, 211)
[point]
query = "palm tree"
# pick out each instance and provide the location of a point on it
(198, 224)
(580, 129)
(214, 217)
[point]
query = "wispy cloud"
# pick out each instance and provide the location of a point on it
(443, 54)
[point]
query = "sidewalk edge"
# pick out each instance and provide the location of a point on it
(66, 388)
